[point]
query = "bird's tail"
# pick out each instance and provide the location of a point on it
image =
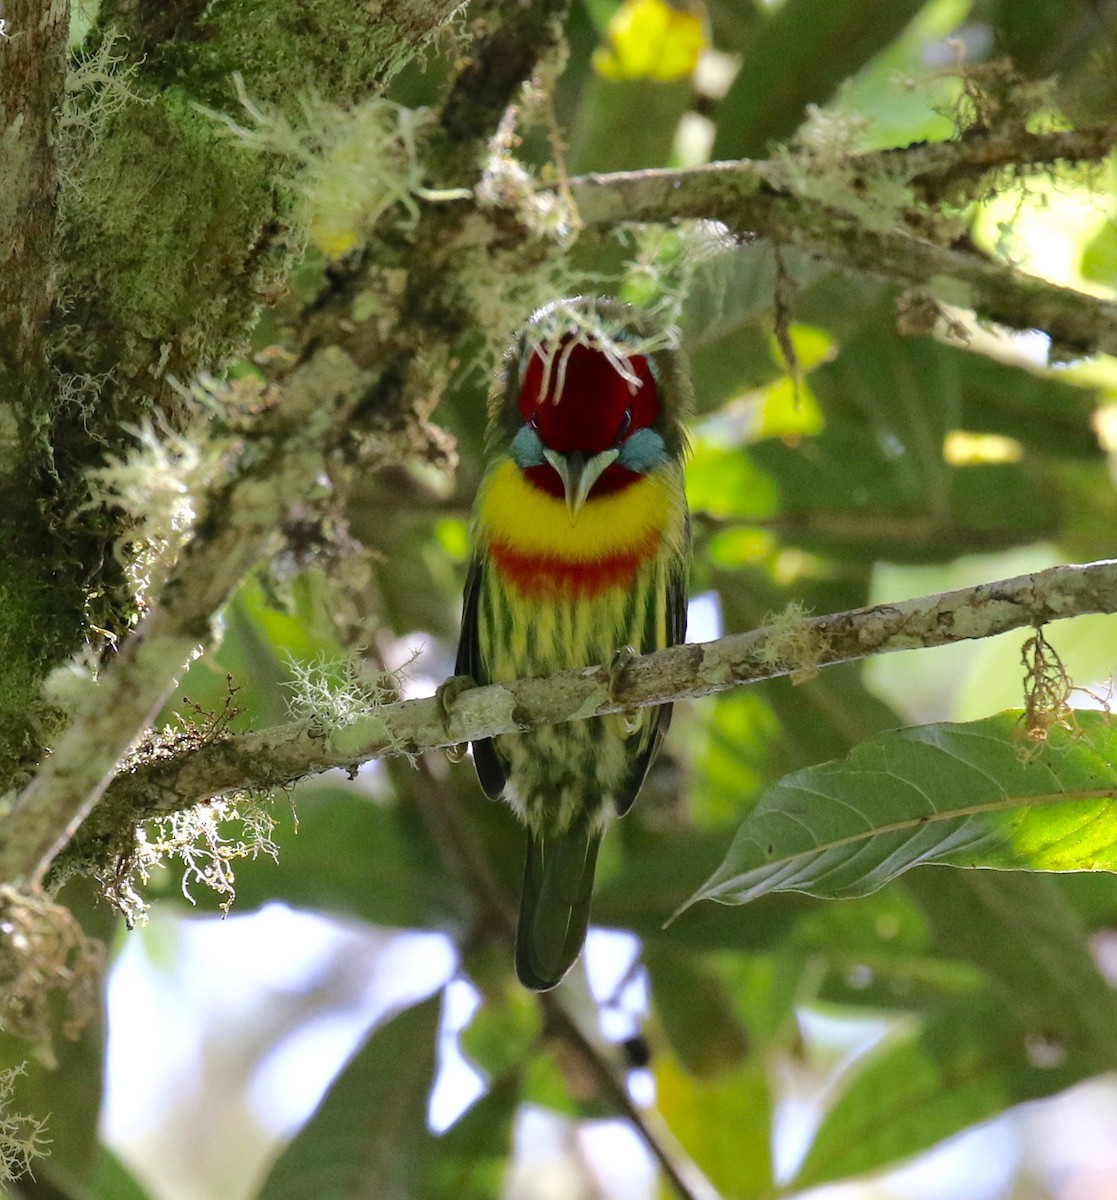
(555, 905)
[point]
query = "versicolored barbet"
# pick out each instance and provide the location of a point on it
(581, 547)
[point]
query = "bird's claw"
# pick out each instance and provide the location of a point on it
(617, 668)
(446, 694)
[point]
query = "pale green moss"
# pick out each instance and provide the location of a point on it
(348, 167)
(40, 617)
(164, 211)
(287, 49)
(156, 485)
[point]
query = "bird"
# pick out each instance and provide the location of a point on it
(580, 554)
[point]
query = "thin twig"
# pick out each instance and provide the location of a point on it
(681, 1170)
(939, 169)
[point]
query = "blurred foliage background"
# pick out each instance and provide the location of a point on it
(787, 1044)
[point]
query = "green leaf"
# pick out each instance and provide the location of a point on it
(967, 1062)
(878, 952)
(904, 394)
(976, 795)
(654, 874)
(111, 1180)
(1043, 1020)
(798, 56)
(1022, 932)
(469, 1160)
(874, 482)
(1040, 409)
(367, 1137)
(696, 1010)
(626, 124)
(724, 1123)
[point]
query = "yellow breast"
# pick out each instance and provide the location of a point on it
(524, 518)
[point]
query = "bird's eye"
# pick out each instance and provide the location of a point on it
(534, 422)
(626, 424)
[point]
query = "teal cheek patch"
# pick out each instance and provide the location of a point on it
(643, 451)
(527, 449)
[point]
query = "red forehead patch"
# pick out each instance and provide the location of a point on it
(578, 398)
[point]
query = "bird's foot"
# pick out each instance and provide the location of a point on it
(617, 668)
(446, 694)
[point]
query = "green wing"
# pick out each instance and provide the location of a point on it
(554, 904)
(490, 770)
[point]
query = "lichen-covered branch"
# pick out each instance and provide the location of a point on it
(761, 199)
(794, 646)
(358, 364)
(945, 170)
(280, 463)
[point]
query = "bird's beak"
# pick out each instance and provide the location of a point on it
(578, 475)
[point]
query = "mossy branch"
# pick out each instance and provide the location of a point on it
(358, 366)
(793, 646)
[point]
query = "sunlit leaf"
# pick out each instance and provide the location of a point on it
(726, 483)
(977, 795)
(723, 1123)
(787, 410)
(1099, 256)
